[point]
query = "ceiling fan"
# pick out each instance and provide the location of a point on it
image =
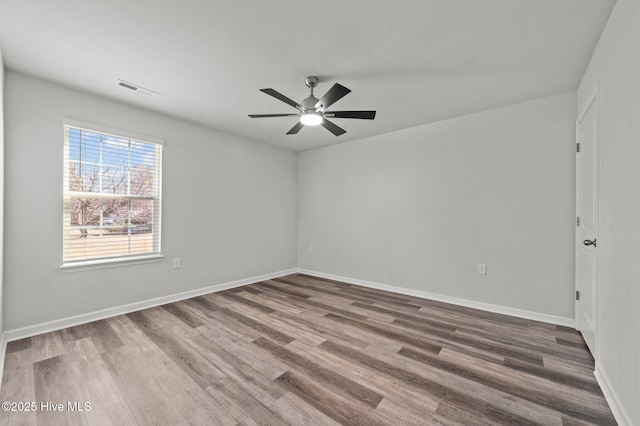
(313, 111)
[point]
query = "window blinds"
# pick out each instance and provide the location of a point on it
(112, 190)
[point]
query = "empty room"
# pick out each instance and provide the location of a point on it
(320, 213)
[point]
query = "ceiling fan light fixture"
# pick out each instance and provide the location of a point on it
(311, 118)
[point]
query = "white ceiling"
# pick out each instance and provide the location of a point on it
(414, 61)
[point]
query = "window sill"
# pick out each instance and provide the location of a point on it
(90, 265)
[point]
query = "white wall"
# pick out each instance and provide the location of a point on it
(616, 65)
(419, 208)
(229, 207)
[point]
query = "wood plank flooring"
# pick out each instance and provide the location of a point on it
(301, 350)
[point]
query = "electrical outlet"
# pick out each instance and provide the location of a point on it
(482, 268)
(310, 249)
(177, 263)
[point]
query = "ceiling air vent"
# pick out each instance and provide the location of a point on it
(136, 88)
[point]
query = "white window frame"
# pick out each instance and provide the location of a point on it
(99, 263)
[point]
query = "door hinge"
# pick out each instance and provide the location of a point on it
(577, 220)
(577, 295)
(578, 147)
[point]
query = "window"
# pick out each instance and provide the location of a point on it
(112, 190)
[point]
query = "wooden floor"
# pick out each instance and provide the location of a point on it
(302, 351)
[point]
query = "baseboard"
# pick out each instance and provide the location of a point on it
(3, 348)
(33, 330)
(612, 398)
(520, 313)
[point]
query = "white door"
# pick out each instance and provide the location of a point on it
(587, 221)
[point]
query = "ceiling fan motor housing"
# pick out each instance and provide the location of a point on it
(309, 103)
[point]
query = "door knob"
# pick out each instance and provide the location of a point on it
(590, 242)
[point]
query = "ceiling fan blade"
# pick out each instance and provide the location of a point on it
(364, 115)
(336, 130)
(272, 115)
(295, 129)
(281, 97)
(334, 94)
